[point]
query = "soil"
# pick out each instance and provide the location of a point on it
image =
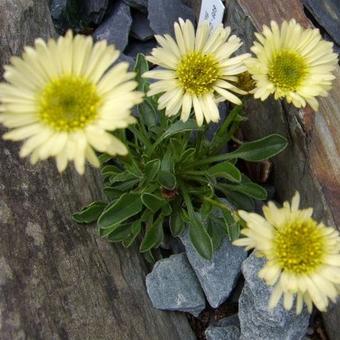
(315, 331)
(201, 323)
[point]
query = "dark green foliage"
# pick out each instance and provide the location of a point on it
(173, 176)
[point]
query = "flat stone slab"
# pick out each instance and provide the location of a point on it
(231, 320)
(172, 285)
(259, 322)
(327, 14)
(73, 14)
(218, 276)
(138, 4)
(140, 28)
(163, 13)
(63, 17)
(136, 46)
(115, 29)
(222, 333)
(95, 10)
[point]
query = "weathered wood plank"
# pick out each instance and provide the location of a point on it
(262, 12)
(311, 163)
(317, 133)
(58, 280)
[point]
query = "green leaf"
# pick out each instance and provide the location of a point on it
(104, 158)
(140, 67)
(90, 213)
(111, 193)
(136, 228)
(167, 163)
(134, 170)
(188, 155)
(105, 232)
(232, 227)
(122, 177)
(261, 149)
(225, 170)
(206, 209)
(177, 148)
(180, 127)
(200, 237)
(240, 200)
(203, 190)
(141, 64)
(167, 180)
(166, 209)
(119, 233)
(146, 215)
(220, 138)
(125, 186)
(152, 201)
(176, 222)
(151, 169)
(149, 112)
(149, 257)
(216, 231)
(176, 128)
(250, 189)
(120, 210)
(109, 170)
(153, 236)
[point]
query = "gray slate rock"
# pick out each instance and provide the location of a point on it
(115, 29)
(77, 14)
(138, 4)
(259, 322)
(222, 333)
(331, 320)
(136, 47)
(58, 8)
(218, 276)
(225, 329)
(95, 10)
(140, 28)
(163, 14)
(231, 320)
(66, 14)
(327, 14)
(172, 285)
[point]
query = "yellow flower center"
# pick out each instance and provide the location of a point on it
(197, 73)
(68, 103)
(287, 70)
(299, 246)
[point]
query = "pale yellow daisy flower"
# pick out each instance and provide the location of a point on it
(293, 63)
(303, 256)
(197, 71)
(61, 99)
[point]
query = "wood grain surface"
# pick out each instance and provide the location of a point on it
(58, 280)
(311, 163)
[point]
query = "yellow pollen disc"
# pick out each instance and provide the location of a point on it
(299, 246)
(287, 70)
(197, 73)
(68, 103)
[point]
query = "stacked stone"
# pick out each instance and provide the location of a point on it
(130, 25)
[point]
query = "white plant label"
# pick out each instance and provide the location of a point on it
(212, 11)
